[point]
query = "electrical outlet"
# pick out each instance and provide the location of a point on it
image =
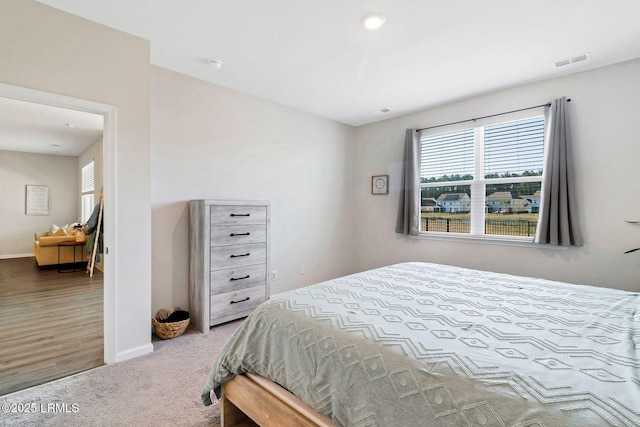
(274, 275)
(301, 269)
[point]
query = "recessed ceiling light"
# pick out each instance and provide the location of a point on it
(215, 63)
(373, 21)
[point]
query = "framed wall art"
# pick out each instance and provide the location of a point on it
(37, 200)
(380, 184)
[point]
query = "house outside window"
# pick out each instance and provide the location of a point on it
(483, 181)
(87, 191)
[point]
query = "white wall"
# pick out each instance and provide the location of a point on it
(20, 169)
(604, 110)
(210, 142)
(52, 51)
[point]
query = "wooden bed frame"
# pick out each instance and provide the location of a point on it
(251, 400)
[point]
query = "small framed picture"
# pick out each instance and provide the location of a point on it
(37, 200)
(380, 184)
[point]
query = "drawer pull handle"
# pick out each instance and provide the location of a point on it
(237, 256)
(242, 300)
(240, 214)
(239, 234)
(240, 278)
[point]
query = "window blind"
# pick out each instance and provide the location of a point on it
(514, 148)
(448, 156)
(88, 178)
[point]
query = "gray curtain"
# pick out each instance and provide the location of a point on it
(409, 209)
(558, 220)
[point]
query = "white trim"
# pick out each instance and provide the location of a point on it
(486, 239)
(110, 168)
(132, 353)
(109, 172)
(9, 256)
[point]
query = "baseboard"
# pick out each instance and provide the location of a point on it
(16, 256)
(134, 352)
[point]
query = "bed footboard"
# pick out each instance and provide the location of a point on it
(250, 400)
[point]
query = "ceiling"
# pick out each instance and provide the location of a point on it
(315, 56)
(36, 128)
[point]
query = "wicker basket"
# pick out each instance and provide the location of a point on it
(169, 330)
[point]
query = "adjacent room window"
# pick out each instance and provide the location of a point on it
(88, 191)
(483, 181)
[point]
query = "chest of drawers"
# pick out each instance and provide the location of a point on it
(229, 259)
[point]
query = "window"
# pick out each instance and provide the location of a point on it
(88, 191)
(483, 181)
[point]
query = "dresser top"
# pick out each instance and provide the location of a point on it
(235, 202)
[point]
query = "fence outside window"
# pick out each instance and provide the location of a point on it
(491, 226)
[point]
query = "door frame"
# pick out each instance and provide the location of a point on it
(109, 112)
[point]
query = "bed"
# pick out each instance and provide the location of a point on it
(416, 344)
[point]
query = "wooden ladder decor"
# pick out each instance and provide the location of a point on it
(92, 262)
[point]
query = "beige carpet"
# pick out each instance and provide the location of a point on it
(159, 389)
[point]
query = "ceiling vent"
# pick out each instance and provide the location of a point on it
(573, 60)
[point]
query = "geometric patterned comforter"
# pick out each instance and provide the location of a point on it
(419, 344)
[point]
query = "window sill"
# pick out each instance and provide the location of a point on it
(487, 240)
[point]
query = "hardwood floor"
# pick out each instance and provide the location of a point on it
(51, 324)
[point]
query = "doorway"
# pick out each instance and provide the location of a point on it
(108, 113)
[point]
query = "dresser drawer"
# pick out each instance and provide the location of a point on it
(238, 214)
(228, 303)
(233, 279)
(222, 235)
(238, 255)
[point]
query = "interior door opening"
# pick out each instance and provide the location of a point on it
(105, 180)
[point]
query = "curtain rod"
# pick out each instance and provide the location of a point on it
(548, 104)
